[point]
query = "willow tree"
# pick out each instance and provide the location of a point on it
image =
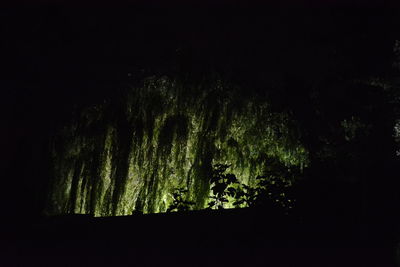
(131, 151)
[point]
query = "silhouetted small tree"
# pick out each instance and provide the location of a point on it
(271, 191)
(179, 202)
(221, 186)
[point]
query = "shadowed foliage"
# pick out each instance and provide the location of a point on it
(130, 151)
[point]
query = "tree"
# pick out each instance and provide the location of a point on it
(179, 202)
(272, 190)
(221, 186)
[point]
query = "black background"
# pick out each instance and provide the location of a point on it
(56, 56)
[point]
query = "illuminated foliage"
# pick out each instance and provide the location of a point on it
(132, 151)
(397, 135)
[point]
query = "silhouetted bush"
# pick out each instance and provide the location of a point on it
(180, 203)
(221, 186)
(271, 190)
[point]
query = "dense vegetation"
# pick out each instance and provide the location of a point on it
(324, 87)
(165, 135)
(130, 152)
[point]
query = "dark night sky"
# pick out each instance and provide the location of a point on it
(63, 54)
(53, 57)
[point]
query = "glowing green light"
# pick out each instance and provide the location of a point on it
(165, 138)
